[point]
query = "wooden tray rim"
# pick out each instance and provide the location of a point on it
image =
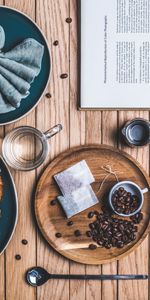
(47, 170)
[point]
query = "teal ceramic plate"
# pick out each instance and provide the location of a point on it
(8, 207)
(18, 27)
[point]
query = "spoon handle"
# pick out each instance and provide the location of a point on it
(99, 277)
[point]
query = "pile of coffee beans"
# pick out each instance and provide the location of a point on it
(108, 231)
(124, 202)
(137, 218)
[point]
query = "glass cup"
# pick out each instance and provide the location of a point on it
(25, 148)
(137, 132)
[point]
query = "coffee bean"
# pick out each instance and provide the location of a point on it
(91, 225)
(109, 233)
(128, 199)
(92, 247)
(58, 235)
(88, 233)
(68, 20)
(99, 217)
(137, 218)
(125, 238)
(120, 244)
(48, 95)
(105, 222)
(127, 211)
(108, 246)
(69, 223)
(121, 227)
(100, 243)
(128, 232)
(125, 193)
(119, 210)
(53, 202)
(132, 237)
(90, 214)
(77, 232)
(17, 256)
(115, 230)
(63, 76)
(104, 227)
(24, 242)
(56, 43)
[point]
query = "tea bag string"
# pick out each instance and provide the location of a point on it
(110, 172)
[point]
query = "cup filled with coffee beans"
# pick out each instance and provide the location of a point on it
(126, 198)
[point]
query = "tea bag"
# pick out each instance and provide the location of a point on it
(78, 201)
(74, 177)
(74, 184)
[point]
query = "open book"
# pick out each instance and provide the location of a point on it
(115, 54)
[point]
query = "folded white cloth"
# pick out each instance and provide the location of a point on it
(18, 69)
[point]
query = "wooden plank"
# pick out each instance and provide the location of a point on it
(109, 137)
(93, 136)
(136, 262)
(2, 277)
(25, 229)
(51, 18)
(77, 133)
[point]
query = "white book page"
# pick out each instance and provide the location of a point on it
(115, 54)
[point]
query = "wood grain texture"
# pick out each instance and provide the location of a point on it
(109, 137)
(77, 134)
(25, 228)
(93, 135)
(51, 17)
(137, 262)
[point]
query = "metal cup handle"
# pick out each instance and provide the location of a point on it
(144, 190)
(52, 131)
(124, 131)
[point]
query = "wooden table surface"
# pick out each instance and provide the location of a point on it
(79, 128)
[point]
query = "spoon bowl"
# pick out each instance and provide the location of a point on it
(37, 276)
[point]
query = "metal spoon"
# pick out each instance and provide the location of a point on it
(38, 276)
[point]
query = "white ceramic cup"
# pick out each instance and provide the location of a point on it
(134, 189)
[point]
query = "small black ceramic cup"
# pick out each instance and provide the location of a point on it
(136, 132)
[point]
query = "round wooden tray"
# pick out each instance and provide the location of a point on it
(51, 219)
